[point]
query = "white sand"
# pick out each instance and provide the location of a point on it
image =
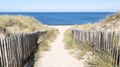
(58, 56)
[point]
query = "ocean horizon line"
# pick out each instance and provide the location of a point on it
(63, 18)
(62, 12)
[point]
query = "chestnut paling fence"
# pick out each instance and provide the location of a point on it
(16, 49)
(105, 43)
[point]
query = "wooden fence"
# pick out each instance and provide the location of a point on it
(105, 43)
(16, 49)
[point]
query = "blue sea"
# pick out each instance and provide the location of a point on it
(63, 18)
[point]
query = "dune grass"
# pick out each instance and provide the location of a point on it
(111, 22)
(84, 26)
(76, 49)
(48, 37)
(71, 45)
(25, 24)
(20, 24)
(67, 35)
(96, 61)
(110, 18)
(43, 45)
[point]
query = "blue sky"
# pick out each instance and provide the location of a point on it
(59, 5)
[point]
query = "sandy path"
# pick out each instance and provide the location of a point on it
(58, 56)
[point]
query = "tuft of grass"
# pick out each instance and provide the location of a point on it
(48, 37)
(78, 50)
(43, 45)
(68, 39)
(110, 18)
(69, 43)
(80, 54)
(68, 35)
(96, 61)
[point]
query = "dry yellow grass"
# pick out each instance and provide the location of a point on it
(84, 26)
(20, 23)
(74, 48)
(111, 22)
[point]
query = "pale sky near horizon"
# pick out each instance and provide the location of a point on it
(59, 5)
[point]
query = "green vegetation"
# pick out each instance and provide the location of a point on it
(68, 39)
(67, 35)
(76, 49)
(48, 37)
(96, 61)
(43, 45)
